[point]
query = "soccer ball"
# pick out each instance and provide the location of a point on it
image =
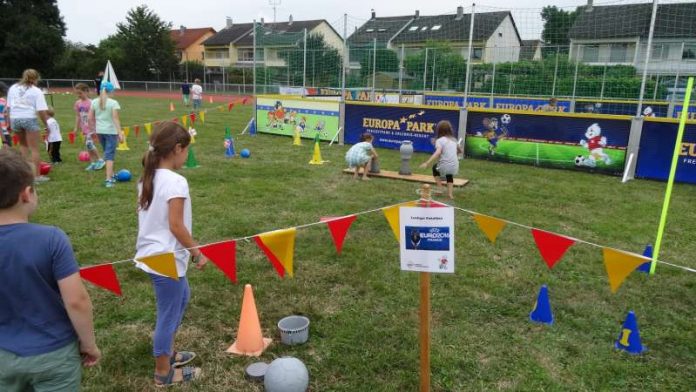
(123, 175)
(286, 374)
(505, 119)
(245, 153)
(579, 160)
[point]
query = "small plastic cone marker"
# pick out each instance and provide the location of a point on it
(250, 340)
(629, 338)
(542, 308)
(648, 252)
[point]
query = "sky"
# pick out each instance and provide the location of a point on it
(91, 22)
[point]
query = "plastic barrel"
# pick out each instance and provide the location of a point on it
(294, 330)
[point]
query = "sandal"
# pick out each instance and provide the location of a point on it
(188, 374)
(181, 358)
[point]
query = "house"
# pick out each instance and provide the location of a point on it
(389, 80)
(618, 34)
(233, 46)
(189, 42)
(531, 49)
(495, 36)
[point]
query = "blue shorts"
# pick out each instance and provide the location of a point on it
(25, 124)
(108, 143)
(493, 142)
(197, 103)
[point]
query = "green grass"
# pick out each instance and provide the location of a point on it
(545, 154)
(363, 309)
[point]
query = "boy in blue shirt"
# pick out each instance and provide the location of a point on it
(46, 327)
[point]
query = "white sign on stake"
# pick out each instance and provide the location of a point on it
(427, 239)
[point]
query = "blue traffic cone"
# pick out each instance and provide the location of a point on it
(229, 148)
(252, 127)
(629, 338)
(648, 252)
(542, 308)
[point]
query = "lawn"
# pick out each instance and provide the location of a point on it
(363, 309)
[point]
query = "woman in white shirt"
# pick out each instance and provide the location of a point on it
(24, 102)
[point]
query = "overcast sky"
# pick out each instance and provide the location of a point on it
(94, 21)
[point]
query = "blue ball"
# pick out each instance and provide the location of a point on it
(123, 175)
(245, 153)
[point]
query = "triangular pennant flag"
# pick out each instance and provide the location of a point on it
(110, 75)
(392, 215)
(192, 116)
(202, 116)
(163, 263)
(148, 129)
(245, 100)
(137, 130)
(184, 120)
(338, 228)
(551, 246)
(224, 256)
(619, 265)
(126, 131)
(278, 246)
(230, 106)
(489, 225)
(103, 276)
(176, 120)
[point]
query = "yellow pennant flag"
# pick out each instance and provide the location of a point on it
(489, 225)
(392, 215)
(619, 265)
(126, 131)
(148, 128)
(221, 108)
(163, 263)
(184, 120)
(279, 246)
(201, 115)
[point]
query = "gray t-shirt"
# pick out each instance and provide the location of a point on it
(448, 163)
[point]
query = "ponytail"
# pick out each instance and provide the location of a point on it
(103, 96)
(163, 141)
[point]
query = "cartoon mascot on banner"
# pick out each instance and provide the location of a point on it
(491, 131)
(594, 142)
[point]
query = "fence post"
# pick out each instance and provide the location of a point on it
(468, 56)
(670, 108)
(304, 64)
(657, 83)
(374, 66)
(345, 55)
(490, 100)
(575, 83)
(510, 78)
(253, 56)
(647, 58)
(555, 71)
(432, 87)
(401, 70)
(604, 78)
(425, 71)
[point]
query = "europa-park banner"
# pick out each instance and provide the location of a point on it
(391, 125)
(284, 115)
(657, 148)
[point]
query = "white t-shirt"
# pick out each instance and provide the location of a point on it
(25, 101)
(196, 92)
(154, 236)
(53, 130)
(448, 162)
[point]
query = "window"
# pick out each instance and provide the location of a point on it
(413, 28)
(247, 54)
(500, 35)
(218, 54)
(618, 53)
(370, 30)
(590, 54)
(660, 52)
(436, 27)
(477, 54)
(381, 30)
(424, 28)
(689, 52)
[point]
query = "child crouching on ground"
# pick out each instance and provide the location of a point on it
(360, 155)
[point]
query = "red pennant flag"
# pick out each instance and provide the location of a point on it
(271, 257)
(192, 116)
(230, 106)
(103, 276)
(433, 204)
(137, 130)
(245, 100)
(224, 256)
(339, 228)
(551, 246)
(175, 119)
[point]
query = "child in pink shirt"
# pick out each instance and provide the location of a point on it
(82, 106)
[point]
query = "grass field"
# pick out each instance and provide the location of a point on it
(542, 154)
(363, 309)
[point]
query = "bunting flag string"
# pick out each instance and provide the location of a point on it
(619, 265)
(551, 246)
(489, 225)
(224, 256)
(103, 276)
(339, 228)
(279, 248)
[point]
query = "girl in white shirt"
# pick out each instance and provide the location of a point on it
(446, 150)
(164, 225)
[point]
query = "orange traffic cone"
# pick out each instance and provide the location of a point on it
(249, 341)
(210, 99)
(171, 106)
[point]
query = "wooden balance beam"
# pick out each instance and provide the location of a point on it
(413, 177)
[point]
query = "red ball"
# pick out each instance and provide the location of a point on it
(83, 156)
(44, 168)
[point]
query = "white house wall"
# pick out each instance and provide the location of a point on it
(503, 45)
(330, 37)
(673, 64)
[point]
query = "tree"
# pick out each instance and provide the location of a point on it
(447, 66)
(557, 23)
(145, 45)
(32, 36)
(386, 61)
(323, 62)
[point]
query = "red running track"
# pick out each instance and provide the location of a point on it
(174, 96)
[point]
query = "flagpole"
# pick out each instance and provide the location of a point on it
(425, 313)
(672, 172)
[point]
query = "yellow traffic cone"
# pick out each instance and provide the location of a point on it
(124, 146)
(316, 157)
(296, 140)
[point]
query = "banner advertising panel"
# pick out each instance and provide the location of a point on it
(455, 100)
(656, 150)
(678, 110)
(392, 124)
(528, 104)
(585, 143)
(626, 108)
(284, 116)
